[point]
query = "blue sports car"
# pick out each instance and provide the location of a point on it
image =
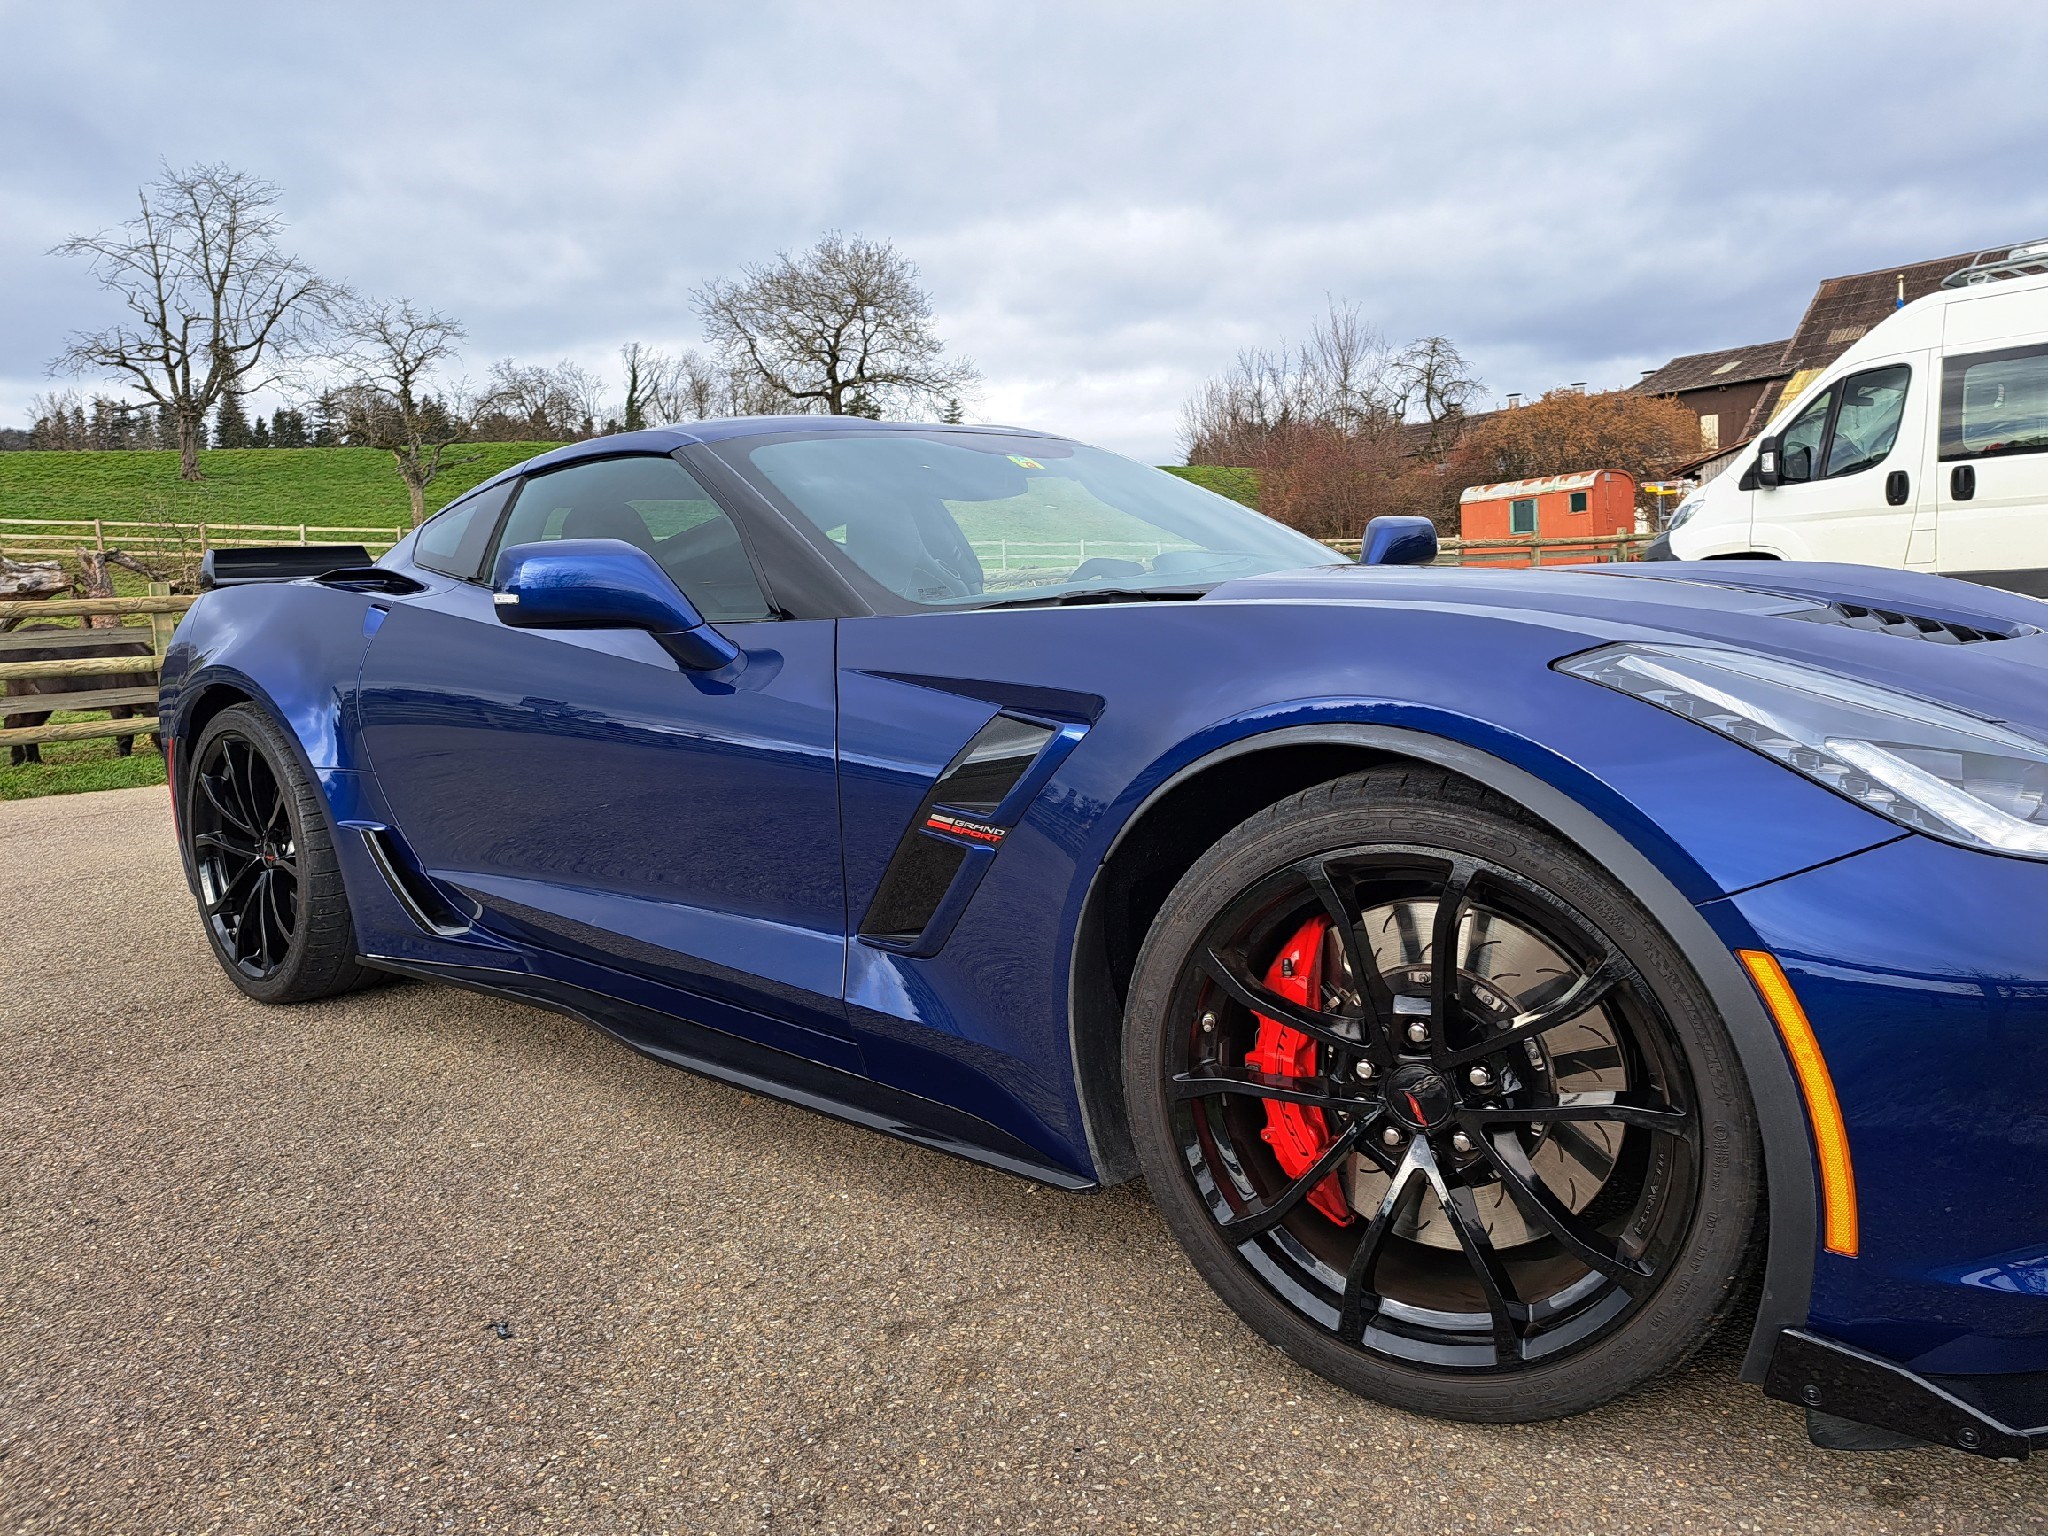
(1501, 979)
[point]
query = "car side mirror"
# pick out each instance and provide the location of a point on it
(1398, 541)
(603, 584)
(1767, 462)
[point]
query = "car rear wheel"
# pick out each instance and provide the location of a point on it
(264, 872)
(1436, 1106)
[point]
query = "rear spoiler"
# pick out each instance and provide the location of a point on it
(275, 562)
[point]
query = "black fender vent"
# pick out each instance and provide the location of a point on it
(964, 812)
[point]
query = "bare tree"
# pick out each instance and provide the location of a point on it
(532, 402)
(843, 328)
(1337, 380)
(1433, 378)
(393, 354)
(213, 302)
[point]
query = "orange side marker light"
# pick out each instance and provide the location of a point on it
(1823, 1109)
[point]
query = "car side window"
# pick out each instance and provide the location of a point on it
(654, 504)
(1799, 444)
(1995, 403)
(1867, 421)
(453, 543)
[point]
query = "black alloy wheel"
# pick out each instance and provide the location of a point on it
(1438, 1108)
(246, 856)
(262, 864)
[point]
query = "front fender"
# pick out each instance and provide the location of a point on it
(1672, 872)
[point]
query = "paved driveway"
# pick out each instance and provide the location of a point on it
(422, 1261)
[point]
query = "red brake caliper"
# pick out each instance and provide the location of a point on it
(1297, 1133)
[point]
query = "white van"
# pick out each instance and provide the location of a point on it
(1924, 446)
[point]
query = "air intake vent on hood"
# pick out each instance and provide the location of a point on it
(1909, 626)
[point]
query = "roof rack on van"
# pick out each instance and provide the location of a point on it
(2020, 261)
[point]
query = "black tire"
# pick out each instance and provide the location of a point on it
(262, 863)
(1451, 1207)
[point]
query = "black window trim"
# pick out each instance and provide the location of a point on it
(1954, 367)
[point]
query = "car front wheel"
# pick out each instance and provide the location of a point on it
(1436, 1106)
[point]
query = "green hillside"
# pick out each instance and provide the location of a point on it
(344, 487)
(324, 486)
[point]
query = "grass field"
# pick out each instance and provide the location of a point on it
(71, 766)
(347, 487)
(324, 486)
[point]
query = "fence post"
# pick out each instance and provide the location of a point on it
(1006, 554)
(99, 536)
(160, 624)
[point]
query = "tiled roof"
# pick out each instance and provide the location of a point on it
(1712, 370)
(1844, 308)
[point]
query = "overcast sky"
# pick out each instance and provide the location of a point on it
(1107, 200)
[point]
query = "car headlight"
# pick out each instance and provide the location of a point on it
(1926, 766)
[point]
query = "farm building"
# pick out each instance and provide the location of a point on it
(1598, 506)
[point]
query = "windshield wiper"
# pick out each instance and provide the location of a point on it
(1081, 595)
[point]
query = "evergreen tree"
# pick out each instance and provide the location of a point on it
(288, 429)
(327, 424)
(259, 433)
(230, 422)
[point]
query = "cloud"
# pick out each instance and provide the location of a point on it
(1106, 202)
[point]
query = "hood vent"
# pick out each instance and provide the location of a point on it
(1908, 626)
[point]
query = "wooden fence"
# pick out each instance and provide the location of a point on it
(161, 608)
(1528, 551)
(47, 537)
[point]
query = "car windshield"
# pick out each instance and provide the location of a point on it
(963, 519)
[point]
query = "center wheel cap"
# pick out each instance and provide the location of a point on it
(1419, 1098)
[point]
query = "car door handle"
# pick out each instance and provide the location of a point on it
(1897, 487)
(1962, 482)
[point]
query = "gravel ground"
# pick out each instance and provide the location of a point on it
(420, 1261)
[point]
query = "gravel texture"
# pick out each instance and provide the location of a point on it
(420, 1261)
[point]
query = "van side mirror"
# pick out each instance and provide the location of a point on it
(1767, 462)
(1398, 541)
(603, 584)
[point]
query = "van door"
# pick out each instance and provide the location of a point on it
(1993, 470)
(1846, 466)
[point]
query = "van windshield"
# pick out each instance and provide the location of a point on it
(962, 519)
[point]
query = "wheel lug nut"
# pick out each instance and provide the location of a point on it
(1418, 1032)
(1391, 1137)
(1479, 1077)
(1208, 1023)
(1364, 1070)
(1461, 1141)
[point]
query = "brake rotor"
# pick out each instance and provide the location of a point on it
(1499, 961)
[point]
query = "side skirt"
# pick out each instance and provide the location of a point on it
(760, 1069)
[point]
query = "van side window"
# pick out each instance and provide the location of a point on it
(1799, 444)
(1867, 421)
(453, 543)
(1995, 403)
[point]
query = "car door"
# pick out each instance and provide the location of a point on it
(603, 805)
(1847, 464)
(1993, 480)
